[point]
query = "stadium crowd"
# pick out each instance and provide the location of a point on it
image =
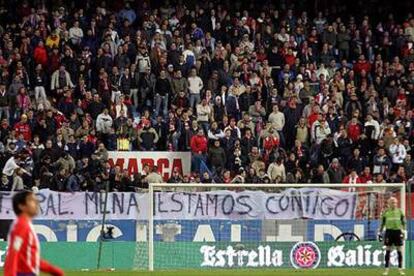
(265, 94)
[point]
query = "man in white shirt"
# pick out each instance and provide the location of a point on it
(195, 85)
(277, 119)
(373, 123)
(397, 152)
(320, 130)
(104, 122)
(11, 166)
(203, 114)
(76, 33)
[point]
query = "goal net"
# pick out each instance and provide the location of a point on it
(205, 226)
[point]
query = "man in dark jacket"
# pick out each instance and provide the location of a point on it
(217, 156)
(336, 172)
(96, 107)
(4, 102)
(162, 92)
(147, 136)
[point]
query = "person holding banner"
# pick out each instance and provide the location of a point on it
(393, 221)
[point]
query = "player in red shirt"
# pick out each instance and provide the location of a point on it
(23, 254)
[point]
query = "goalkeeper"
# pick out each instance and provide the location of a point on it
(393, 221)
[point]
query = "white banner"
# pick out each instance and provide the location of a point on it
(166, 161)
(83, 205)
(289, 204)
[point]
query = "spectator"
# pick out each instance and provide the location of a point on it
(320, 130)
(4, 102)
(40, 83)
(76, 33)
(162, 92)
(104, 122)
(18, 180)
(23, 128)
(398, 153)
(382, 163)
(40, 54)
(277, 170)
(320, 176)
(336, 172)
(12, 165)
(175, 177)
(195, 85)
(352, 178)
(147, 136)
(154, 176)
(60, 79)
(264, 84)
(217, 156)
(203, 114)
(199, 149)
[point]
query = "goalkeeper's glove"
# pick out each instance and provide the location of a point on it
(380, 237)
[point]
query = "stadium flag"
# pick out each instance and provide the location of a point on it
(204, 168)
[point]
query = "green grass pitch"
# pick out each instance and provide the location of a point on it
(245, 272)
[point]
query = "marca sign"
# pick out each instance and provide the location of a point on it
(262, 256)
(134, 161)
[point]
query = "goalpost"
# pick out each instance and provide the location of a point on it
(194, 226)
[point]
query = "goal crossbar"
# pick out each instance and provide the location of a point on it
(305, 185)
